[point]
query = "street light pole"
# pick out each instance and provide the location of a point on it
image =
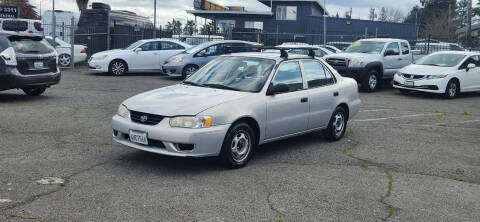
(54, 25)
(155, 19)
(324, 23)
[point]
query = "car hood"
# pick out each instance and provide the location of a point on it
(109, 52)
(426, 70)
(181, 100)
(363, 56)
(182, 54)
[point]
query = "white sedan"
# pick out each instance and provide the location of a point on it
(141, 56)
(447, 73)
(64, 51)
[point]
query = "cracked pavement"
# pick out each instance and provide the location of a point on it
(404, 158)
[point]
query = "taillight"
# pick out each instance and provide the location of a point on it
(84, 50)
(8, 55)
(41, 29)
(30, 31)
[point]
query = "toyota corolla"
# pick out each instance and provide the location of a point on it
(237, 102)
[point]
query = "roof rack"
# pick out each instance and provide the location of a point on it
(283, 49)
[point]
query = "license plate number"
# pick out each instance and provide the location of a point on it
(409, 83)
(138, 137)
(38, 65)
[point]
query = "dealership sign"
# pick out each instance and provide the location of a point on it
(9, 11)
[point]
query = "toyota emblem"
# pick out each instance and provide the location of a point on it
(143, 118)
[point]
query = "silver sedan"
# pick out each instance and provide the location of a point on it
(237, 102)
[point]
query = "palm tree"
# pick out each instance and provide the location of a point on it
(190, 27)
(175, 26)
(82, 4)
(207, 28)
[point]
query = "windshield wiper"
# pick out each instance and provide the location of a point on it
(220, 86)
(191, 83)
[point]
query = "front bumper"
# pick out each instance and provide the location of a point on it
(423, 85)
(173, 70)
(355, 73)
(98, 65)
(166, 140)
(11, 78)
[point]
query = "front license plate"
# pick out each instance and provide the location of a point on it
(409, 83)
(38, 65)
(138, 137)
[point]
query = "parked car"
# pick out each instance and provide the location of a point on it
(64, 51)
(370, 61)
(197, 39)
(340, 45)
(189, 61)
(237, 102)
(447, 73)
(141, 56)
(27, 62)
(21, 25)
(331, 48)
(319, 51)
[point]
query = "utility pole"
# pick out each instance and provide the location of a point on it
(155, 19)
(54, 21)
(324, 23)
(469, 29)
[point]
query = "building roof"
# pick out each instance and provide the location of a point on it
(319, 3)
(209, 12)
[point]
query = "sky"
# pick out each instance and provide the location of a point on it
(176, 9)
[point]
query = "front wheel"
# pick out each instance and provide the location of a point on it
(371, 82)
(189, 70)
(64, 60)
(118, 68)
(238, 146)
(337, 125)
(34, 91)
(452, 90)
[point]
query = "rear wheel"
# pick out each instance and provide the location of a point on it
(371, 82)
(452, 90)
(34, 91)
(189, 70)
(337, 125)
(117, 68)
(238, 146)
(64, 60)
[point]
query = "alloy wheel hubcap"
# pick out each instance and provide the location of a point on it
(118, 68)
(372, 81)
(191, 70)
(240, 146)
(64, 60)
(453, 89)
(338, 124)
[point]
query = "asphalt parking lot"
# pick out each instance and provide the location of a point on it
(404, 158)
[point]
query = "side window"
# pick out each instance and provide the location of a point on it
(314, 73)
(474, 59)
(394, 47)
(289, 73)
(330, 78)
(320, 53)
(171, 46)
(51, 42)
(150, 46)
(405, 48)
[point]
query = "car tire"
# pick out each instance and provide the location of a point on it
(337, 125)
(117, 68)
(34, 91)
(404, 91)
(452, 90)
(189, 70)
(64, 60)
(371, 82)
(238, 146)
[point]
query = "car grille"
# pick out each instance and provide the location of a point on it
(145, 118)
(336, 62)
(411, 76)
(26, 65)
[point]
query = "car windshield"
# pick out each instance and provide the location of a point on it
(233, 73)
(134, 45)
(197, 48)
(30, 45)
(368, 47)
(442, 60)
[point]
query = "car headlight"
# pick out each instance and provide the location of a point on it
(398, 73)
(177, 59)
(437, 76)
(194, 122)
(355, 63)
(122, 111)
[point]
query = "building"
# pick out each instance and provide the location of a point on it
(300, 20)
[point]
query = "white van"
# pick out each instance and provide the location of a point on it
(21, 25)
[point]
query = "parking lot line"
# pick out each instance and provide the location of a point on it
(394, 117)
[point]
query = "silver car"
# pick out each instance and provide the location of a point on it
(194, 58)
(237, 102)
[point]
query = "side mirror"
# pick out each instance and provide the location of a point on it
(471, 66)
(416, 52)
(137, 50)
(389, 53)
(277, 89)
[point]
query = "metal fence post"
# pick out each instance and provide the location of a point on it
(72, 43)
(108, 31)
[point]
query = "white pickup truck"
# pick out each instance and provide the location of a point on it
(370, 61)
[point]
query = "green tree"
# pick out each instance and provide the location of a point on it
(82, 4)
(189, 27)
(207, 28)
(175, 26)
(430, 12)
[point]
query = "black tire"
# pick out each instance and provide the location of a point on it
(34, 91)
(372, 81)
(245, 137)
(117, 67)
(336, 130)
(189, 70)
(64, 60)
(404, 91)
(452, 90)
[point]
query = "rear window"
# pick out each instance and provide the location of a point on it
(38, 26)
(17, 26)
(30, 45)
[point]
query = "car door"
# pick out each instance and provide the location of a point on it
(167, 50)
(146, 58)
(287, 113)
(208, 54)
(321, 93)
(470, 80)
(391, 63)
(406, 58)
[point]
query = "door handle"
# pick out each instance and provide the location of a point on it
(304, 100)
(336, 94)
(399, 59)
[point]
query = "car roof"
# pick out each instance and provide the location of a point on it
(268, 55)
(383, 40)
(232, 41)
(467, 53)
(167, 39)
